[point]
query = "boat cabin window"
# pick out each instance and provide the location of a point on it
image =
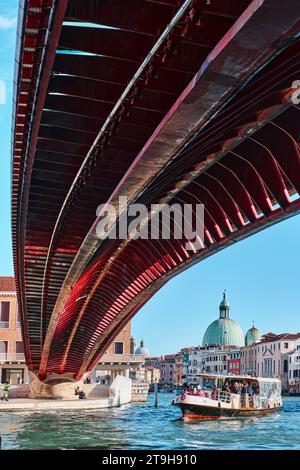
(208, 382)
(234, 385)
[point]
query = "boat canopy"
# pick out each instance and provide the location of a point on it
(238, 378)
(266, 387)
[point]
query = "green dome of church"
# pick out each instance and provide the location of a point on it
(252, 336)
(224, 331)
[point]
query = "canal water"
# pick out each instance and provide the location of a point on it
(142, 426)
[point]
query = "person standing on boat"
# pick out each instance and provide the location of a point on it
(244, 394)
(225, 387)
(250, 393)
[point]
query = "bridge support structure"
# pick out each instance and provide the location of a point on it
(55, 386)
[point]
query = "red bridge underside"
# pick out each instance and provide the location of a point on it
(243, 164)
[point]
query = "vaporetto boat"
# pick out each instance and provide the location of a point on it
(218, 396)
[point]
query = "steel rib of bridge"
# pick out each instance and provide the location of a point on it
(82, 91)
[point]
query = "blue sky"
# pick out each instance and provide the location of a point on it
(261, 274)
(8, 17)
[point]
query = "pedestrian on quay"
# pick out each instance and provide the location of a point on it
(5, 391)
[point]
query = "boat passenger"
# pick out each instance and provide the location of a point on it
(225, 387)
(80, 393)
(207, 384)
(214, 394)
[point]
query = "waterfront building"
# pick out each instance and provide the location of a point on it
(152, 375)
(294, 368)
(224, 331)
(153, 361)
(212, 359)
(171, 369)
(12, 361)
(185, 353)
(276, 356)
(234, 361)
(195, 363)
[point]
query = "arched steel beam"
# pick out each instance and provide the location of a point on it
(241, 29)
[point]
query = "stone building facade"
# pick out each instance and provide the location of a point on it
(12, 361)
(275, 356)
(171, 369)
(211, 359)
(122, 343)
(151, 375)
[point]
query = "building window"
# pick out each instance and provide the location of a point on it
(4, 314)
(286, 345)
(18, 318)
(19, 350)
(119, 347)
(3, 350)
(285, 366)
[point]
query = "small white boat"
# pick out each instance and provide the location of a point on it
(219, 396)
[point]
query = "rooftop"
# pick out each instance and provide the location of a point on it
(269, 337)
(7, 284)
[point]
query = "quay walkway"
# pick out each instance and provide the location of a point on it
(98, 396)
(27, 404)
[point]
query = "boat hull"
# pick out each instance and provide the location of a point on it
(199, 412)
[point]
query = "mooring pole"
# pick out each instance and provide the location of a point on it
(155, 394)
